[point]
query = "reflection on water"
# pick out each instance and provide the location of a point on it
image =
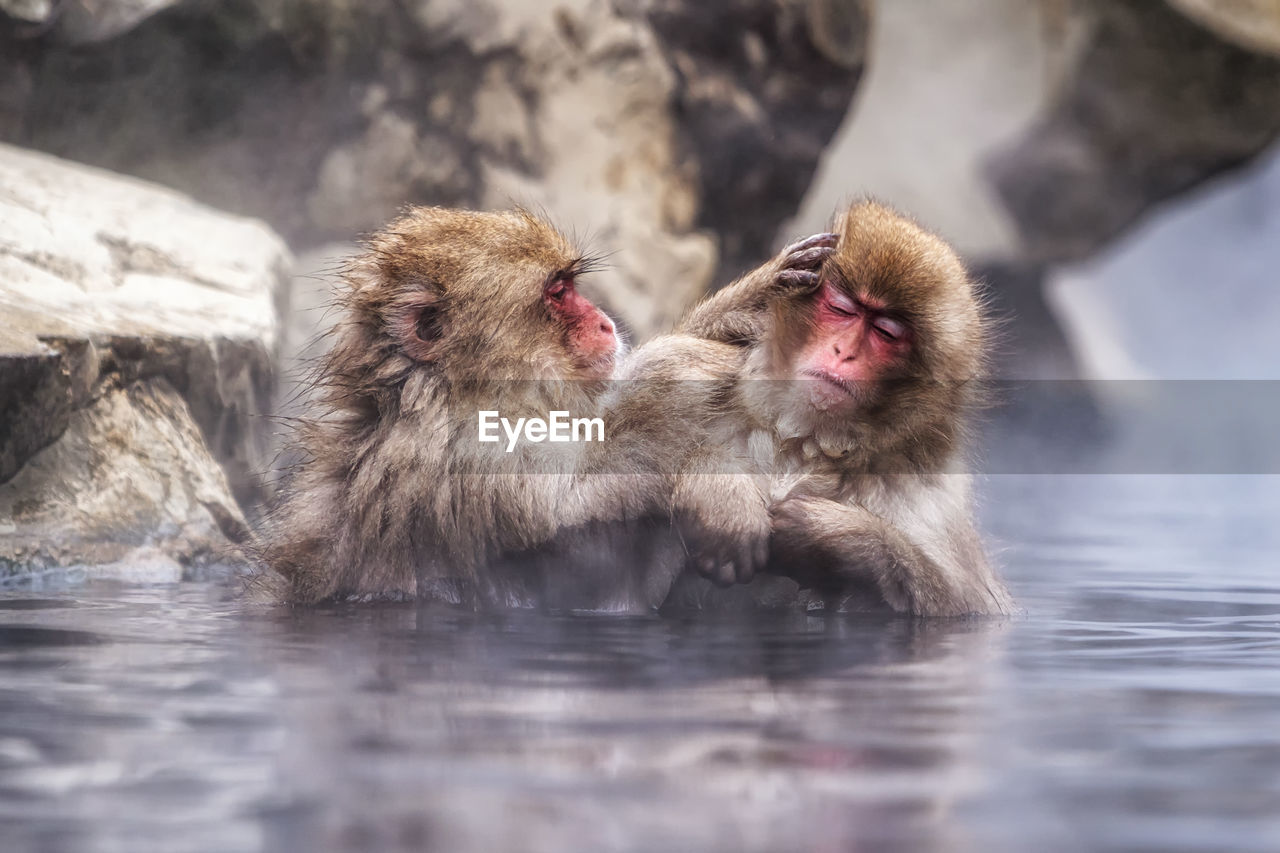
(1135, 706)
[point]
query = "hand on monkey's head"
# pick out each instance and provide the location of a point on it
(873, 357)
(886, 347)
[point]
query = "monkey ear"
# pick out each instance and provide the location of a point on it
(416, 321)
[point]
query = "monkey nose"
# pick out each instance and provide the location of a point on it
(848, 346)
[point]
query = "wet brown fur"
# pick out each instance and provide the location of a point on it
(440, 317)
(879, 501)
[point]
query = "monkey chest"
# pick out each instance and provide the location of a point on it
(800, 470)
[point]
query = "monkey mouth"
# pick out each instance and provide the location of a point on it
(831, 393)
(830, 380)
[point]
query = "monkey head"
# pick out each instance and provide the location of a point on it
(884, 344)
(471, 297)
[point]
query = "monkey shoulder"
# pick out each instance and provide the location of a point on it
(678, 357)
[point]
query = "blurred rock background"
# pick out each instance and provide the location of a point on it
(1102, 164)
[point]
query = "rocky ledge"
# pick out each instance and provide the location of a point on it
(137, 336)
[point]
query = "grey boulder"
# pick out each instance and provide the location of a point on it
(138, 331)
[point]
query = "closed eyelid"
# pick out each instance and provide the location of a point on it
(890, 326)
(841, 301)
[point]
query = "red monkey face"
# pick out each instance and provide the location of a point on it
(855, 343)
(885, 349)
(589, 334)
(484, 296)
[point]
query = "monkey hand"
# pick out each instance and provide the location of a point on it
(796, 266)
(724, 522)
(850, 547)
(832, 547)
(733, 315)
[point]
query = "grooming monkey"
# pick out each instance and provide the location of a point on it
(855, 385)
(449, 313)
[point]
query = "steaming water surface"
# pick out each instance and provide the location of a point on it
(1134, 706)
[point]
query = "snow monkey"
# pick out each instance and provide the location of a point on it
(452, 322)
(854, 387)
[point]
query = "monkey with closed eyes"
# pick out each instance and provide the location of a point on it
(853, 389)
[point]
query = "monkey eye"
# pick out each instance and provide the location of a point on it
(558, 287)
(889, 328)
(840, 303)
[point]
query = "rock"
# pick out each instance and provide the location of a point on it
(80, 21)
(355, 178)
(136, 361)
(1153, 105)
(762, 86)
(130, 471)
(1207, 264)
(938, 98)
(608, 157)
(31, 11)
(1252, 24)
(678, 138)
(85, 21)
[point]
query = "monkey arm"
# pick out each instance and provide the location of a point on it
(724, 521)
(734, 315)
(826, 544)
(672, 428)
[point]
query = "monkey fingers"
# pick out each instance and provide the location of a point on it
(733, 564)
(820, 243)
(748, 558)
(723, 518)
(809, 253)
(798, 280)
(721, 573)
(798, 264)
(726, 557)
(792, 520)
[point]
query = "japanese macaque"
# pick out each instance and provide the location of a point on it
(445, 315)
(850, 413)
(451, 314)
